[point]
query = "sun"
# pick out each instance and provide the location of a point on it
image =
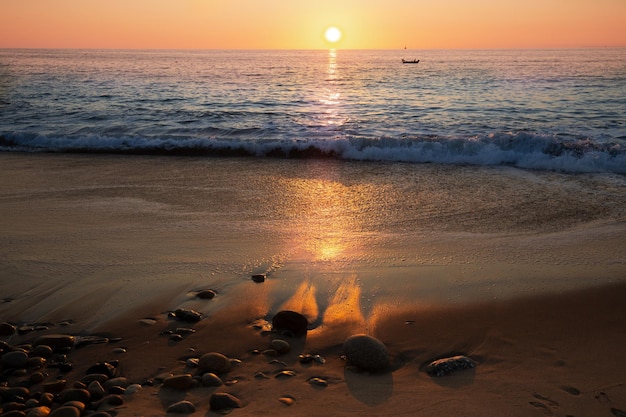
(333, 34)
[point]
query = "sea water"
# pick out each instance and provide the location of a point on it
(555, 110)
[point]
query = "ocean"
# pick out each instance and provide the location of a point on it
(554, 110)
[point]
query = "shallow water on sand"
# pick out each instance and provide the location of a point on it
(140, 227)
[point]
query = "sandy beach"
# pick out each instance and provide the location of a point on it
(522, 272)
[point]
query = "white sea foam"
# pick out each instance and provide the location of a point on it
(521, 150)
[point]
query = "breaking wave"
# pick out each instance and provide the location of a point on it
(521, 149)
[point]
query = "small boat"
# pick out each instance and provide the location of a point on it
(410, 61)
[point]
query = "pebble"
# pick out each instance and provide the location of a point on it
(104, 368)
(41, 411)
(287, 400)
(54, 386)
(148, 322)
(56, 341)
(119, 350)
(223, 401)
(79, 405)
(258, 278)
(209, 379)
(42, 351)
(15, 359)
(36, 378)
(96, 390)
(182, 407)
(214, 362)
(184, 314)
(120, 381)
(75, 394)
(366, 352)
(179, 382)
(319, 382)
(206, 294)
(280, 346)
(132, 388)
(285, 374)
(7, 329)
(14, 413)
(446, 366)
(65, 411)
(290, 322)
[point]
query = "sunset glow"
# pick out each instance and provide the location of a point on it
(275, 24)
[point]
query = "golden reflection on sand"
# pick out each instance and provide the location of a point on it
(303, 301)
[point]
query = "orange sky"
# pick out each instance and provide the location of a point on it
(285, 24)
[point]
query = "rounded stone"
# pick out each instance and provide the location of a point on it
(280, 346)
(14, 413)
(15, 359)
(290, 322)
(77, 404)
(41, 411)
(56, 341)
(258, 278)
(42, 351)
(75, 394)
(104, 368)
(214, 362)
(366, 352)
(65, 411)
(188, 315)
(209, 379)
(46, 399)
(117, 382)
(54, 386)
(179, 382)
(223, 401)
(182, 407)
(206, 294)
(96, 389)
(6, 329)
(132, 388)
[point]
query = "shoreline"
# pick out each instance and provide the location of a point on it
(540, 354)
(521, 271)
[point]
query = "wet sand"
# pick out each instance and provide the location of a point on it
(94, 244)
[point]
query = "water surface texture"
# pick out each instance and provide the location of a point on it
(560, 110)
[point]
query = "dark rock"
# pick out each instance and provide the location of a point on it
(184, 314)
(77, 404)
(14, 413)
(445, 366)
(180, 382)
(280, 346)
(65, 411)
(56, 341)
(42, 351)
(89, 378)
(36, 378)
(104, 368)
(366, 352)
(8, 392)
(13, 405)
(75, 394)
(96, 390)
(117, 390)
(182, 407)
(15, 359)
(55, 386)
(112, 399)
(206, 294)
(290, 322)
(214, 362)
(258, 278)
(117, 382)
(209, 379)
(46, 399)
(6, 329)
(41, 411)
(223, 401)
